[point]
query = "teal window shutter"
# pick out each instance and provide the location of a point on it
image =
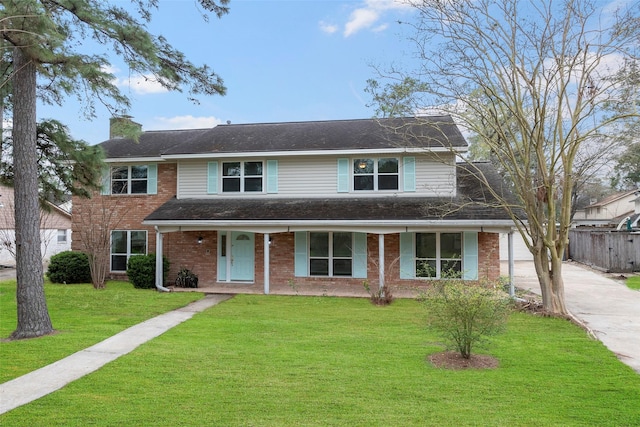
(407, 260)
(360, 255)
(409, 173)
(105, 190)
(343, 175)
(470, 255)
(272, 176)
(152, 178)
(212, 177)
(301, 268)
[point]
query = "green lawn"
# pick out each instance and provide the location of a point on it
(633, 282)
(319, 361)
(82, 316)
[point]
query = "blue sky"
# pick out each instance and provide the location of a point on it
(280, 60)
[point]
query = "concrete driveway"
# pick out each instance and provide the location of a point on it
(605, 305)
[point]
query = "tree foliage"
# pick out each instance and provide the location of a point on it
(46, 46)
(538, 83)
(66, 165)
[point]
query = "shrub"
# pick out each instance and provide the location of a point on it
(69, 267)
(380, 296)
(466, 314)
(141, 270)
(186, 279)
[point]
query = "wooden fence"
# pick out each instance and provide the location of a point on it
(610, 250)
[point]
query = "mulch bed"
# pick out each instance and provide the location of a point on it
(453, 360)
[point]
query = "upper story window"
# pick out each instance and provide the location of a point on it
(375, 174)
(129, 179)
(242, 177)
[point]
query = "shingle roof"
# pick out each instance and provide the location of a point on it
(422, 132)
(472, 203)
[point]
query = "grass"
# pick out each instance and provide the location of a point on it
(633, 283)
(82, 316)
(321, 361)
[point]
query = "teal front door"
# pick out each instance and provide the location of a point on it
(242, 256)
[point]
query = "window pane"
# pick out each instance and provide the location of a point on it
(253, 168)
(425, 245)
(223, 245)
(138, 242)
(388, 182)
(120, 172)
(118, 262)
(118, 242)
(139, 187)
(319, 245)
(342, 267)
(62, 236)
(319, 267)
(138, 172)
(364, 182)
(425, 268)
(361, 166)
(231, 169)
(119, 187)
(450, 245)
(342, 244)
(253, 184)
(231, 184)
(451, 269)
(388, 166)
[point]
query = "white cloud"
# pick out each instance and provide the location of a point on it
(328, 28)
(141, 84)
(183, 122)
(370, 13)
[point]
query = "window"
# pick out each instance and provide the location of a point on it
(62, 236)
(438, 255)
(330, 254)
(124, 244)
(129, 179)
(375, 174)
(243, 177)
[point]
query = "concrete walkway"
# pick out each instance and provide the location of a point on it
(50, 378)
(606, 306)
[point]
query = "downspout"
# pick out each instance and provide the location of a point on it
(159, 269)
(512, 291)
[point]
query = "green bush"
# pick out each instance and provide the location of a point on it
(466, 314)
(69, 267)
(141, 270)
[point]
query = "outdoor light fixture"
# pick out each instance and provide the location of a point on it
(362, 164)
(200, 239)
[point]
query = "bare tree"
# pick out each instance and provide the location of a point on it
(535, 82)
(94, 235)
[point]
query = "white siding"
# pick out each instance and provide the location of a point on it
(316, 176)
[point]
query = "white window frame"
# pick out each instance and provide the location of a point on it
(129, 179)
(62, 237)
(242, 176)
(375, 173)
(438, 257)
(330, 257)
(128, 253)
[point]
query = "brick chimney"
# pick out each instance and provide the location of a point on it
(124, 127)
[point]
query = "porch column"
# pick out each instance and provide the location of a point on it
(159, 269)
(512, 291)
(381, 259)
(266, 263)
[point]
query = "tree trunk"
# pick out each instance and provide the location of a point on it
(551, 284)
(33, 315)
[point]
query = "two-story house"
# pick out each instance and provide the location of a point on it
(304, 203)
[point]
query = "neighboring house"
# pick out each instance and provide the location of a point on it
(330, 202)
(608, 212)
(55, 229)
